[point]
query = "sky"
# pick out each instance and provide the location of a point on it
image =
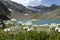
(37, 2)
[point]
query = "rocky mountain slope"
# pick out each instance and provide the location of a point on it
(55, 14)
(21, 8)
(37, 12)
(15, 6)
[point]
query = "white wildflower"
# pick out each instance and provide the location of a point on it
(23, 24)
(56, 28)
(59, 30)
(46, 24)
(30, 29)
(12, 29)
(25, 27)
(20, 22)
(35, 25)
(29, 23)
(6, 29)
(54, 25)
(34, 20)
(13, 19)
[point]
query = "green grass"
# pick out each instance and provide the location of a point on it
(32, 35)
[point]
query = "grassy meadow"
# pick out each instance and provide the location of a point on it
(28, 32)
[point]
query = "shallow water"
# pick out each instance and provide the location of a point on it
(40, 22)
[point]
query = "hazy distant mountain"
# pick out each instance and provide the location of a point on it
(52, 7)
(44, 9)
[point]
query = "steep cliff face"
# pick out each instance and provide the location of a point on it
(3, 8)
(15, 6)
(4, 11)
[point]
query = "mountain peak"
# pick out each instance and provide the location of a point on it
(54, 5)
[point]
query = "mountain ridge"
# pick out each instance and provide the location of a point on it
(38, 12)
(21, 8)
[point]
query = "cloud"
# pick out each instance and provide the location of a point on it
(28, 2)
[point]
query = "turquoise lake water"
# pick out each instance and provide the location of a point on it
(40, 22)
